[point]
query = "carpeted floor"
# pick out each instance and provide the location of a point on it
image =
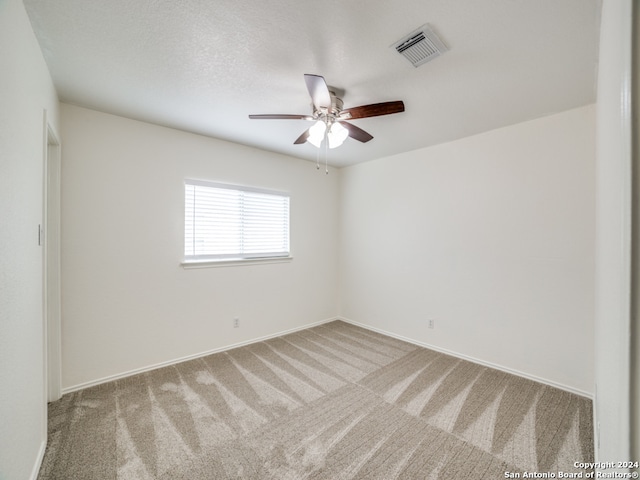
(332, 402)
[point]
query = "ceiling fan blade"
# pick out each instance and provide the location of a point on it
(302, 138)
(318, 90)
(373, 110)
(356, 132)
(275, 116)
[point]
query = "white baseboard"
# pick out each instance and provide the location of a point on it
(148, 368)
(118, 376)
(36, 467)
(502, 368)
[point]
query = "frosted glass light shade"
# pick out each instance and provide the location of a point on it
(316, 133)
(337, 135)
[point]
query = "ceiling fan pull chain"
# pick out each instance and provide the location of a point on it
(326, 153)
(326, 146)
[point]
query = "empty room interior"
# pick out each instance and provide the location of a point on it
(425, 265)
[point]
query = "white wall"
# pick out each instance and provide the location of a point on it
(25, 90)
(613, 327)
(127, 303)
(492, 236)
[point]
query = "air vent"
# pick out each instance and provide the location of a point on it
(421, 46)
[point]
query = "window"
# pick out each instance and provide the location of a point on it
(226, 222)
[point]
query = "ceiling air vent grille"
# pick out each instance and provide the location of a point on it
(421, 46)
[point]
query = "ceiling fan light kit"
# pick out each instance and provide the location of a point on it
(330, 118)
(335, 134)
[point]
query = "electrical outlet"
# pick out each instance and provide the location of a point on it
(432, 323)
(236, 322)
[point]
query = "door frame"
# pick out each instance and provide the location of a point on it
(50, 239)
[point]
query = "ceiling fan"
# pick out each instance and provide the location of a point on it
(330, 118)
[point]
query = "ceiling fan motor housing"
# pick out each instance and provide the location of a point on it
(333, 111)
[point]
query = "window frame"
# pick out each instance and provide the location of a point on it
(213, 260)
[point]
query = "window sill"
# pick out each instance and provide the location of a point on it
(188, 264)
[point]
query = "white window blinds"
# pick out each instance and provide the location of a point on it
(230, 222)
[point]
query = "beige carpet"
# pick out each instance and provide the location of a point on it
(331, 402)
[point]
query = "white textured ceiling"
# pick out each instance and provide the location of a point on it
(204, 66)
